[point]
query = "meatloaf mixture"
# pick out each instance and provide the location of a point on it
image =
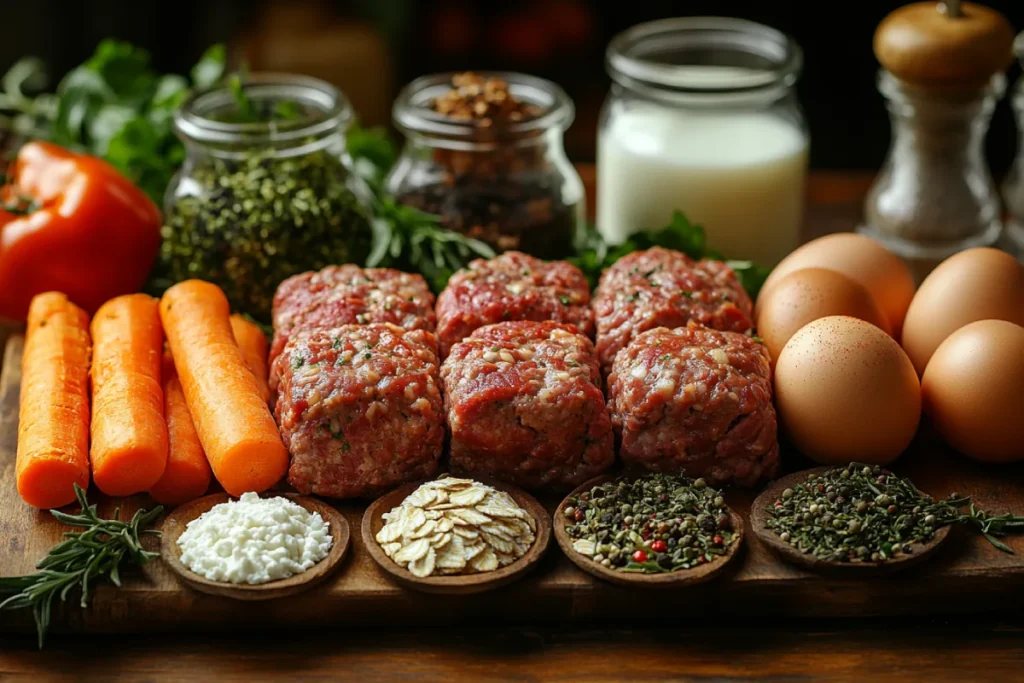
(664, 288)
(513, 286)
(359, 407)
(350, 295)
(695, 401)
(524, 404)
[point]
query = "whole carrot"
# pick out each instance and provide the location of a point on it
(129, 435)
(53, 420)
(187, 475)
(253, 343)
(232, 419)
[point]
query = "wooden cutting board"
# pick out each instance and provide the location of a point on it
(969, 575)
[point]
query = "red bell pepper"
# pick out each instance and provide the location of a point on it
(72, 223)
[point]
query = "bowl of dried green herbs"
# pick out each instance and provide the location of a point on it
(863, 520)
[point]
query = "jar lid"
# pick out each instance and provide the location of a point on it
(944, 44)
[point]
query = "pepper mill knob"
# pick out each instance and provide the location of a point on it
(944, 45)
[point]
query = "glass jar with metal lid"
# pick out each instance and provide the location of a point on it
(265, 190)
(485, 152)
(702, 118)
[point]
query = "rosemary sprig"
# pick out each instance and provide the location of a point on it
(82, 559)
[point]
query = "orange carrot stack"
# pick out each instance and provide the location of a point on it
(129, 435)
(187, 475)
(253, 343)
(53, 422)
(233, 421)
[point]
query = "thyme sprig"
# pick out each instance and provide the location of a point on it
(82, 559)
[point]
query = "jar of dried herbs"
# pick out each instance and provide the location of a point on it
(485, 152)
(266, 189)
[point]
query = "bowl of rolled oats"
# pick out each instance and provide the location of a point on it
(456, 535)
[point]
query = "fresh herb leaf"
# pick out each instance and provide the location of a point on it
(114, 105)
(594, 254)
(210, 67)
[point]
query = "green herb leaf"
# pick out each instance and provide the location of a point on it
(28, 73)
(210, 67)
(594, 255)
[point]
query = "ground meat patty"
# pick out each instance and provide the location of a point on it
(349, 295)
(664, 288)
(360, 408)
(513, 286)
(696, 401)
(524, 404)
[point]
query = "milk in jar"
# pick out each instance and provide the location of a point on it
(725, 144)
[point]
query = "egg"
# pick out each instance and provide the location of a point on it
(808, 294)
(846, 391)
(976, 284)
(861, 259)
(972, 387)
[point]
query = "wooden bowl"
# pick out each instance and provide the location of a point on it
(758, 521)
(175, 523)
(677, 579)
(458, 584)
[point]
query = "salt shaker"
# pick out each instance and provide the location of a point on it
(943, 67)
(1013, 187)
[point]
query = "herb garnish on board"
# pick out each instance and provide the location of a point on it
(594, 254)
(84, 558)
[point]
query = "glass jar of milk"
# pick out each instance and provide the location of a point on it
(702, 118)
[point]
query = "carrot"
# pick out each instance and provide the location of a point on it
(253, 343)
(187, 476)
(129, 435)
(232, 419)
(53, 420)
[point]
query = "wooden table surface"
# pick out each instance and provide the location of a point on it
(710, 645)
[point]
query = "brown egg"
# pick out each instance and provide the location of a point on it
(809, 294)
(861, 259)
(976, 284)
(845, 391)
(972, 390)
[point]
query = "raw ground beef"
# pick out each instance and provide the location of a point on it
(696, 401)
(350, 295)
(664, 288)
(524, 405)
(359, 408)
(513, 286)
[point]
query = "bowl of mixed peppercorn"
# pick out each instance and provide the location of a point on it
(656, 529)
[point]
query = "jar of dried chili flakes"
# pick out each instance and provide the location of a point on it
(485, 152)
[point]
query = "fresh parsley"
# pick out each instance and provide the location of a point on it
(594, 254)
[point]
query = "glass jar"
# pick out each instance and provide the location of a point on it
(507, 183)
(263, 196)
(1013, 186)
(702, 118)
(935, 196)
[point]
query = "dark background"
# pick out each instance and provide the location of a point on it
(370, 48)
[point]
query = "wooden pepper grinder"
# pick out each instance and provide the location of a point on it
(943, 67)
